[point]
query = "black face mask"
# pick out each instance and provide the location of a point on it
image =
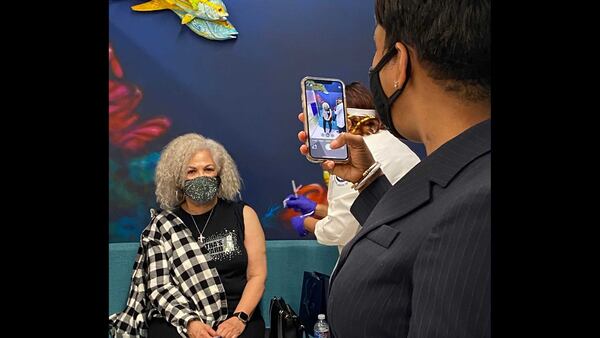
(383, 105)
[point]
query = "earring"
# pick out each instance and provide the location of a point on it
(396, 84)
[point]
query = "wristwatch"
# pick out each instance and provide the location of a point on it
(243, 316)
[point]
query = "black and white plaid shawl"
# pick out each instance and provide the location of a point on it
(171, 279)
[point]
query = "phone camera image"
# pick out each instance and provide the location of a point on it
(325, 118)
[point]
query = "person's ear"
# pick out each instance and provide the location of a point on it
(400, 64)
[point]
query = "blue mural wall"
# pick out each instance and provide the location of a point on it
(244, 93)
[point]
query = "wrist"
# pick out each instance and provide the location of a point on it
(320, 210)
(370, 180)
(241, 316)
(367, 176)
(190, 321)
(309, 224)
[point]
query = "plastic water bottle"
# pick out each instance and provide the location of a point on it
(321, 327)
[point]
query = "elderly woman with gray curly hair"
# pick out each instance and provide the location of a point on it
(201, 267)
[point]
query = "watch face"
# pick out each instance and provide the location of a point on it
(243, 316)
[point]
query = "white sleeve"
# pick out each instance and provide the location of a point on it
(396, 158)
(339, 226)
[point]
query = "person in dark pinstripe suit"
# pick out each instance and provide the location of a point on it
(420, 266)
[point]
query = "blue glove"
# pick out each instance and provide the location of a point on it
(300, 203)
(298, 224)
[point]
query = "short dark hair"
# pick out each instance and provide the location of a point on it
(358, 96)
(450, 37)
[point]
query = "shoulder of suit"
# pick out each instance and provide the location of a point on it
(481, 168)
(474, 178)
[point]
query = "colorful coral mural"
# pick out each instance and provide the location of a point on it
(165, 81)
(131, 166)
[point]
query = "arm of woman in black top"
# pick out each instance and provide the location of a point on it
(256, 273)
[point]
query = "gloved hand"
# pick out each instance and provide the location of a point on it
(298, 224)
(300, 203)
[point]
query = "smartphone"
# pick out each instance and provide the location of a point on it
(325, 117)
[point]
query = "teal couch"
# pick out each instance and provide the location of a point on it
(286, 262)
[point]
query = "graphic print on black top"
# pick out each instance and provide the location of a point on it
(223, 246)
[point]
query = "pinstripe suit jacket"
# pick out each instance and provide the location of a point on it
(420, 266)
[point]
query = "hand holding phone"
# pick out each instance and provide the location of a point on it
(360, 155)
(325, 116)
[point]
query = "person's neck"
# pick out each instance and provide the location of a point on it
(194, 208)
(444, 116)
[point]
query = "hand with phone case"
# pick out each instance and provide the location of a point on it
(321, 98)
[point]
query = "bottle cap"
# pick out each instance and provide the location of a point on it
(321, 316)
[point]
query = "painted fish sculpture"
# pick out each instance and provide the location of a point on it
(212, 30)
(207, 18)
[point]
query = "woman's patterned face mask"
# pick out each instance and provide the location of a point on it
(202, 189)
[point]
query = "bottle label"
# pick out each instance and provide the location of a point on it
(322, 334)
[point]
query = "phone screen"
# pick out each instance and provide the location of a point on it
(325, 117)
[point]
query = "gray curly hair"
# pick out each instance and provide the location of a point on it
(171, 168)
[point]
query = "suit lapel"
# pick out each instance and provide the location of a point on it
(409, 193)
(398, 201)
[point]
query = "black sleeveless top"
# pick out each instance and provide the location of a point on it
(224, 240)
